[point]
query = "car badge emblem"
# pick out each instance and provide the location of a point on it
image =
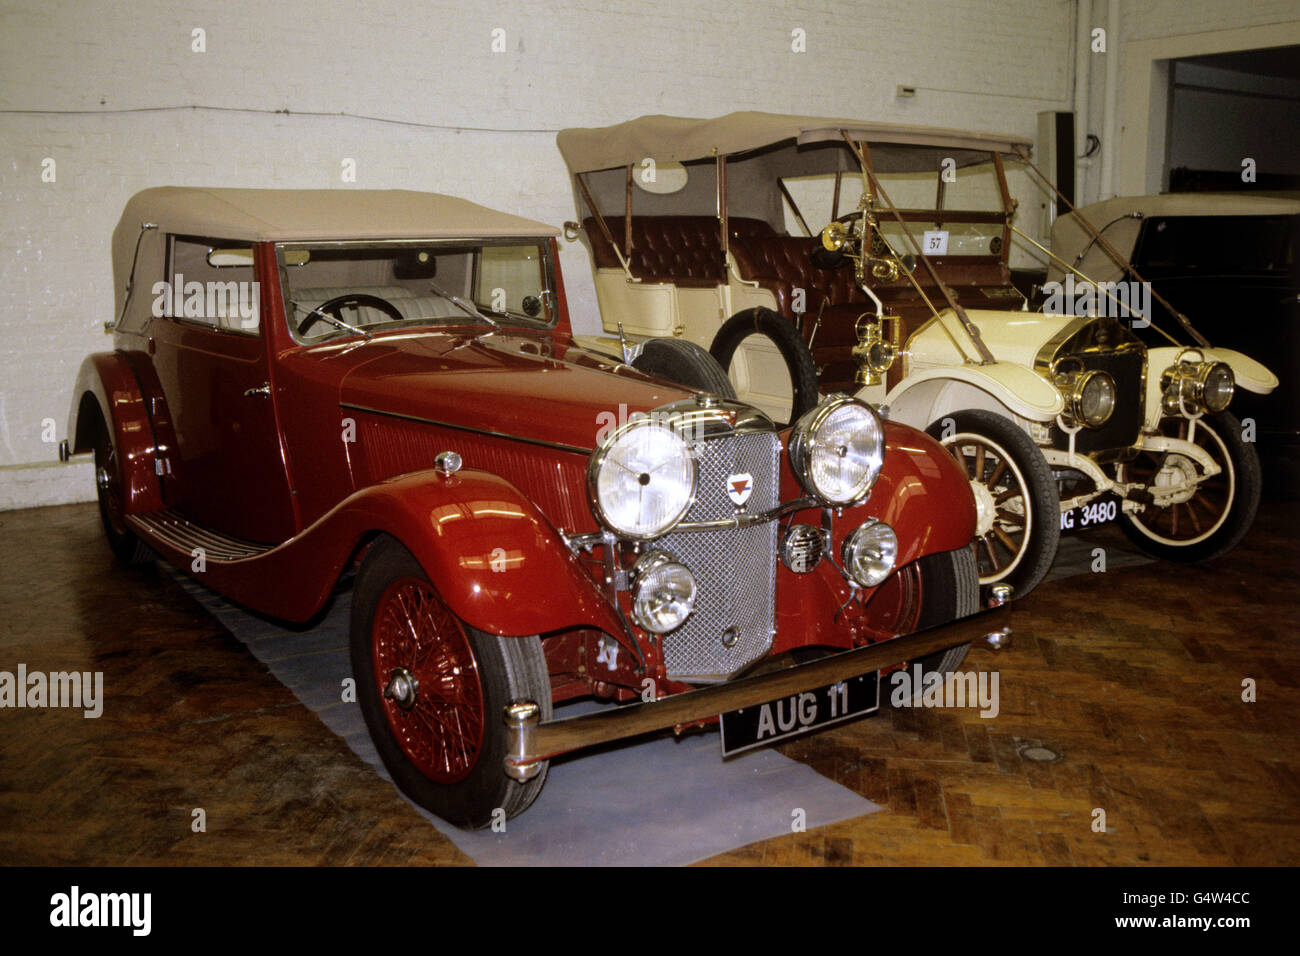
(740, 487)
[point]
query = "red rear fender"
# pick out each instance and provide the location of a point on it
(107, 383)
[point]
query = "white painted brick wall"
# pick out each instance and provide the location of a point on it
(1154, 19)
(979, 65)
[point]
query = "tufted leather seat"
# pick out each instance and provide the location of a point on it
(784, 263)
(683, 250)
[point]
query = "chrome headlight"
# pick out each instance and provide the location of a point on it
(1089, 396)
(869, 553)
(837, 450)
(1202, 386)
(663, 593)
(642, 479)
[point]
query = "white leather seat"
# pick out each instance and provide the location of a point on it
(407, 302)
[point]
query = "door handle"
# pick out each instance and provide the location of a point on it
(264, 389)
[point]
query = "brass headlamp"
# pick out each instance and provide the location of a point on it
(1197, 387)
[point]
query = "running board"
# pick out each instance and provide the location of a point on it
(172, 529)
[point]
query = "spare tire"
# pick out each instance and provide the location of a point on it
(798, 359)
(684, 362)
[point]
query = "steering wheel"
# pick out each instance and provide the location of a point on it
(825, 258)
(332, 306)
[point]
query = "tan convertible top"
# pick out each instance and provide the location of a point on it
(680, 139)
(258, 215)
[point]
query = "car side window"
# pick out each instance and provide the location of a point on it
(209, 282)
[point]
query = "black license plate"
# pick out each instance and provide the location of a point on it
(799, 713)
(1101, 511)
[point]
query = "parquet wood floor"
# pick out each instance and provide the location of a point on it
(1133, 678)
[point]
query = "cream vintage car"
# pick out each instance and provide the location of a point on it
(812, 254)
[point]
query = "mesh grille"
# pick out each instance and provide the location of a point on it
(735, 569)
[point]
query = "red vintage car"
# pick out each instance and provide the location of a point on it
(309, 382)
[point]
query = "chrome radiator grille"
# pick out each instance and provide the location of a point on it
(735, 568)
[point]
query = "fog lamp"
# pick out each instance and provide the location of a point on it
(663, 592)
(869, 553)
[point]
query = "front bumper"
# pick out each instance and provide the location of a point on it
(531, 741)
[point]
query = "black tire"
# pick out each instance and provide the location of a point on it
(684, 362)
(1226, 503)
(979, 438)
(783, 333)
(950, 589)
(126, 547)
(507, 669)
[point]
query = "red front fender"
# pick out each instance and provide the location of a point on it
(500, 566)
(923, 494)
(496, 561)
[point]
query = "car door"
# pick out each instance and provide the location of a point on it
(225, 469)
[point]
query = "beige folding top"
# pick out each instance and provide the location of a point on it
(258, 215)
(1116, 219)
(680, 139)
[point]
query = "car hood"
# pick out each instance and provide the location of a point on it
(532, 386)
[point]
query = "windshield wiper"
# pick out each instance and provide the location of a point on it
(467, 307)
(336, 322)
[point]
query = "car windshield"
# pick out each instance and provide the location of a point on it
(937, 205)
(337, 289)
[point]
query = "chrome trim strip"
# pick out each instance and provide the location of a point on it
(557, 446)
(742, 519)
(745, 519)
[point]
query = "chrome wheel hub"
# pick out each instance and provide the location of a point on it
(1175, 482)
(985, 508)
(402, 688)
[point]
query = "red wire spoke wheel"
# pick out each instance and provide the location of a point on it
(433, 690)
(895, 608)
(428, 679)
